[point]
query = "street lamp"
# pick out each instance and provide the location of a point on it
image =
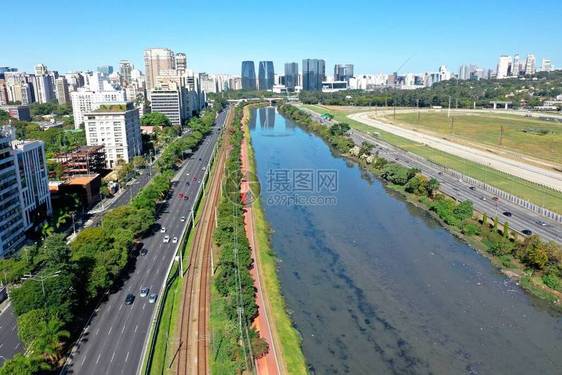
(42, 279)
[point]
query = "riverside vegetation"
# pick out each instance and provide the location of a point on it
(536, 263)
(76, 276)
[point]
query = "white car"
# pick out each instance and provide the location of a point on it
(166, 239)
(163, 230)
(143, 292)
(182, 219)
(175, 240)
(152, 298)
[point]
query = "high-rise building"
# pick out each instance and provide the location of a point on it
(106, 70)
(63, 95)
(84, 101)
(516, 66)
(44, 87)
(530, 64)
(343, 72)
(266, 75)
(504, 67)
(41, 69)
(155, 61)
(34, 181)
(313, 74)
(181, 63)
(12, 226)
(248, 75)
(291, 76)
(116, 127)
(546, 65)
(125, 68)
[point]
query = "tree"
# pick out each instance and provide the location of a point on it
(506, 229)
(534, 252)
(432, 186)
(49, 342)
(29, 325)
(366, 148)
(23, 365)
(496, 224)
(485, 220)
(155, 119)
(55, 251)
(139, 162)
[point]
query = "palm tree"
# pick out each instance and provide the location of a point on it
(49, 341)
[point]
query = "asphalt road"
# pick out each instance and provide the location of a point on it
(483, 201)
(9, 341)
(113, 341)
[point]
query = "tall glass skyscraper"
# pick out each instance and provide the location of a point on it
(248, 75)
(343, 72)
(291, 75)
(313, 73)
(266, 75)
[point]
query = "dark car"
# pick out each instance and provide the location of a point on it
(129, 299)
(472, 188)
(507, 213)
(143, 252)
(527, 232)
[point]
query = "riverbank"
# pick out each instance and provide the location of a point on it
(534, 265)
(285, 338)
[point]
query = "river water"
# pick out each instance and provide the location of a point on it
(375, 285)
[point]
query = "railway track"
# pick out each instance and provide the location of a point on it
(192, 357)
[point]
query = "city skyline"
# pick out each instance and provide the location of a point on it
(415, 43)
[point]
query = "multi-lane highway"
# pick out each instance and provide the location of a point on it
(483, 201)
(113, 341)
(9, 341)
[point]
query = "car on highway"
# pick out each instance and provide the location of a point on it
(203, 168)
(542, 223)
(527, 232)
(483, 198)
(163, 230)
(129, 299)
(496, 199)
(472, 188)
(507, 213)
(175, 240)
(143, 292)
(182, 219)
(199, 159)
(152, 298)
(166, 239)
(143, 251)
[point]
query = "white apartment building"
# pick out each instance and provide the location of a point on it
(116, 126)
(169, 101)
(33, 181)
(546, 65)
(84, 101)
(504, 67)
(44, 86)
(530, 64)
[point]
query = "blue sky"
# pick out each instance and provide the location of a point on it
(375, 35)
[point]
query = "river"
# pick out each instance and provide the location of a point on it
(375, 285)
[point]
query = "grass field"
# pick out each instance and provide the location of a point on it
(291, 350)
(527, 190)
(529, 136)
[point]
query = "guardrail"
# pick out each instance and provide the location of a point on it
(149, 346)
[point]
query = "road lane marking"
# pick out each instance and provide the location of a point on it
(14, 328)
(84, 359)
(97, 331)
(127, 357)
(123, 330)
(120, 307)
(97, 360)
(113, 356)
(109, 332)
(136, 327)
(143, 305)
